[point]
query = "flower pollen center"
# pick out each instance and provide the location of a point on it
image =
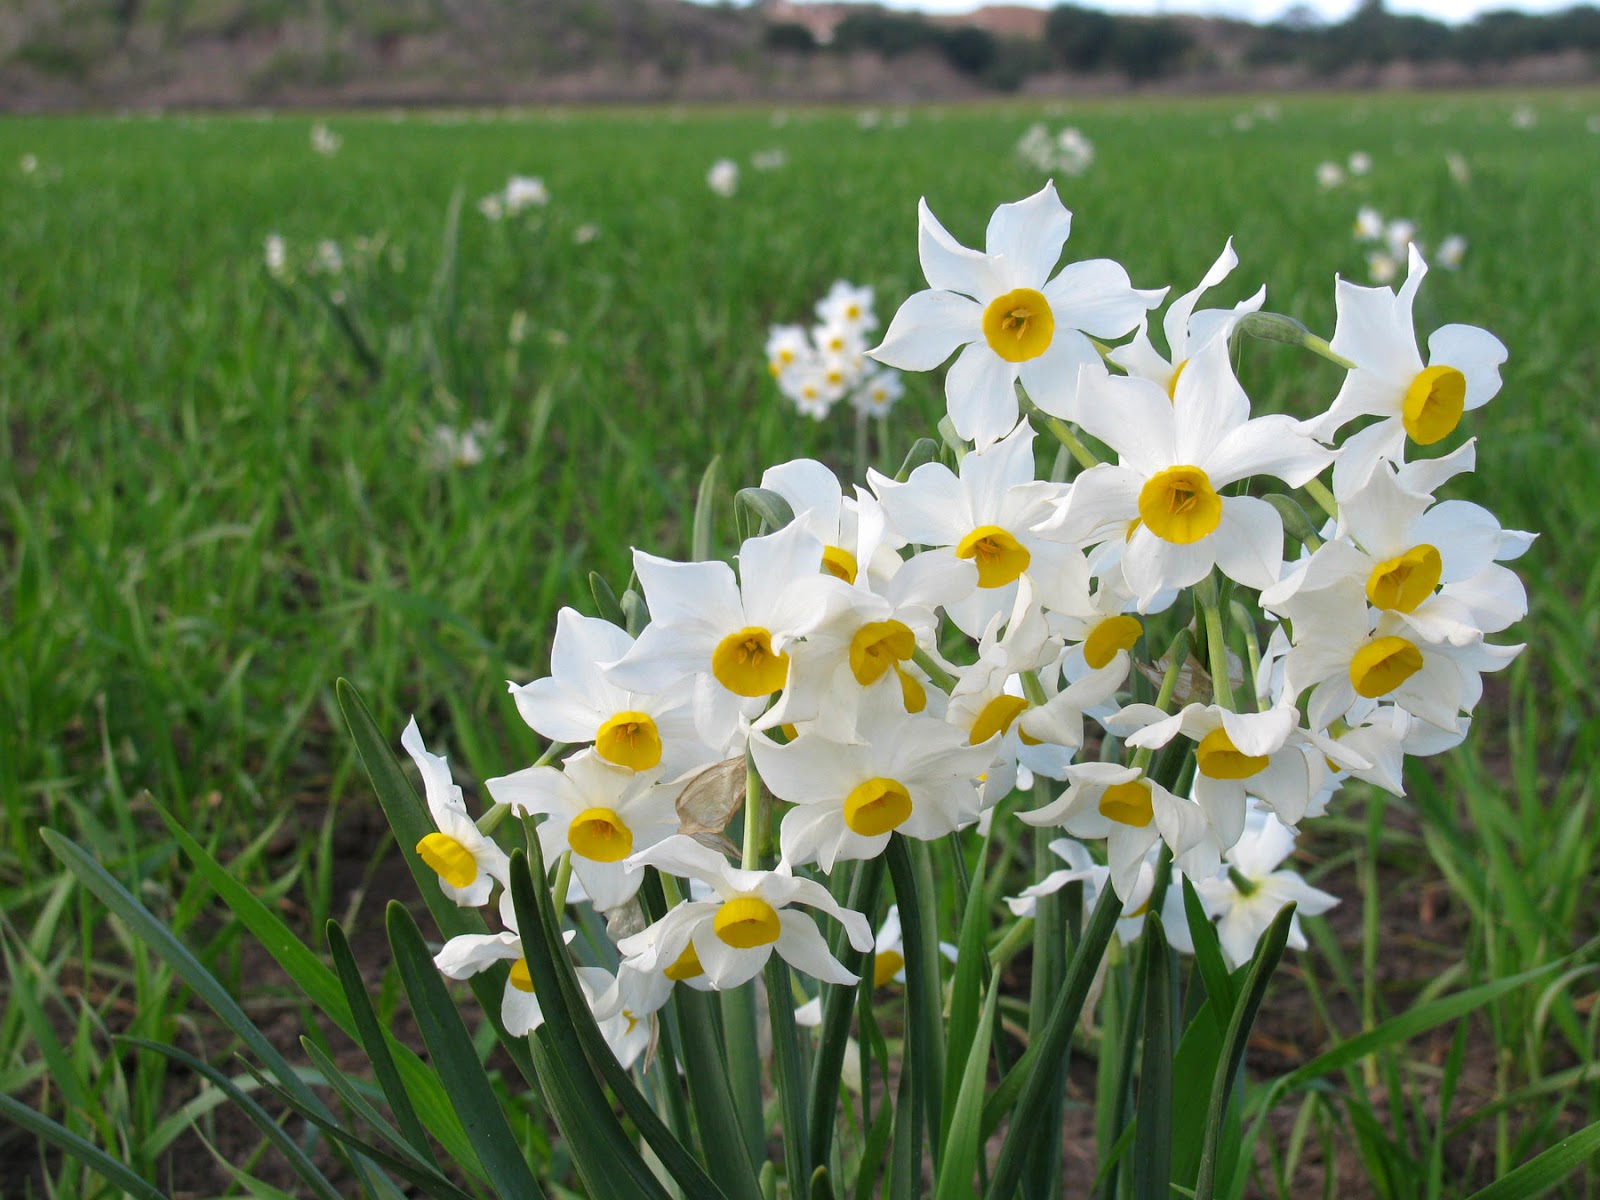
(746, 922)
(448, 859)
(1433, 404)
(1383, 665)
(599, 835)
(996, 717)
(876, 806)
(685, 966)
(839, 563)
(886, 966)
(1401, 583)
(629, 739)
(1218, 758)
(519, 977)
(745, 663)
(1108, 637)
(999, 557)
(877, 646)
(1179, 505)
(1128, 803)
(1019, 325)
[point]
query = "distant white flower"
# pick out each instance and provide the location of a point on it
(869, 118)
(451, 447)
(723, 177)
(769, 160)
(525, 191)
(1459, 170)
(28, 164)
(1360, 163)
(1329, 175)
(325, 141)
(275, 254)
(1369, 224)
(329, 259)
(1451, 251)
(1524, 117)
(1381, 267)
(585, 233)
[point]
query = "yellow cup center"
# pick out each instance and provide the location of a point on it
(1019, 325)
(629, 739)
(1128, 803)
(876, 806)
(746, 922)
(519, 977)
(999, 557)
(886, 965)
(685, 966)
(839, 562)
(1108, 637)
(996, 717)
(448, 859)
(1405, 581)
(1218, 758)
(1179, 505)
(1433, 404)
(745, 664)
(877, 646)
(599, 835)
(1383, 665)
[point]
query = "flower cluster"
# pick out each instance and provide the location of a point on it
(521, 193)
(1391, 239)
(1066, 152)
(890, 662)
(817, 367)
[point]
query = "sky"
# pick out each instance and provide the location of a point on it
(1255, 10)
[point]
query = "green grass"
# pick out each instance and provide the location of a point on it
(216, 495)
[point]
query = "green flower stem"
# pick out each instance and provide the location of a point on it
(1014, 939)
(1252, 644)
(1177, 654)
(551, 752)
(913, 889)
(490, 821)
(563, 881)
(740, 1045)
(1245, 887)
(1319, 492)
(789, 1074)
(1318, 346)
(750, 859)
(1075, 447)
(937, 675)
(1216, 644)
(1042, 1172)
(862, 457)
(1034, 691)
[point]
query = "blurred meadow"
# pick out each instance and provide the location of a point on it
(224, 486)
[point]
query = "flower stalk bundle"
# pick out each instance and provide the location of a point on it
(1132, 675)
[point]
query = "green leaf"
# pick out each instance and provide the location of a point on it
(923, 450)
(374, 1040)
(964, 1135)
(765, 506)
(410, 821)
(259, 1117)
(454, 1057)
(326, 990)
(1152, 1147)
(702, 534)
(924, 996)
(606, 604)
(837, 1001)
(788, 1073)
(1037, 1074)
(574, 1036)
(1268, 952)
(971, 977)
(1538, 1175)
(86, 1152)
(1213, 968)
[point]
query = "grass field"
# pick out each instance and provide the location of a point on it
(218, 496)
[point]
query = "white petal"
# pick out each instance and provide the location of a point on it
(1476, 353)
(1249, 542)
(1029, 235)
(981, 392)
(927, 328)
(803, 947)
(1097, 297)
(1272, 445)
(929, 508)
(952, 267)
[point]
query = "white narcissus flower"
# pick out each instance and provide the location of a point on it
(730, 937)
(1013, 319)
(788, 346)
(847, 305)
(465, 955)
(987, 515)
(577, 703)
(1375, 330)
(732, 636)
(1432, 562)
(1188, 332)
(888, 966)
(467, 862)
(723, 177)
(1131, 812)
(601, 813)
(1164, 497)
(1082, 867)
(909, 773)
(1265, 755)
(1247, 897)
(1350, 657)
